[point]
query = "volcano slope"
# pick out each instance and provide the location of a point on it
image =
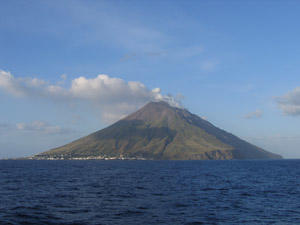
(159, 131)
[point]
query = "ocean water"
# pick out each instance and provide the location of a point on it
(150, 192)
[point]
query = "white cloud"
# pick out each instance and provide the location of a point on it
(20, 87)
(40, 126)
(113, 97)
(35, 126)
(64, 76)
(62, 80)
(254, 115)
(290, 102)
(10, 84)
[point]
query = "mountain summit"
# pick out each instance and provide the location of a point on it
(159, 131)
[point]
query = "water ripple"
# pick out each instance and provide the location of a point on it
(149, 192)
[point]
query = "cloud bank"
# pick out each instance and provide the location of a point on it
(41, 127)
(113, 97)
(35, 126)
(290, 102)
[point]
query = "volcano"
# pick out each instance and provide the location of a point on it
(161, 132)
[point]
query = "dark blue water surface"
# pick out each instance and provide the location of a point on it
(150, 192)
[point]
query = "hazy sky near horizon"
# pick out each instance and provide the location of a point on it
(69, 68)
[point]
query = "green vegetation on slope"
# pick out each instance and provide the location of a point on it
(159, 131)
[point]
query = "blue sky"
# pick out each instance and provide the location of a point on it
(68, 68)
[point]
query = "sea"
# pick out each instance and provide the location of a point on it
(149, 192)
